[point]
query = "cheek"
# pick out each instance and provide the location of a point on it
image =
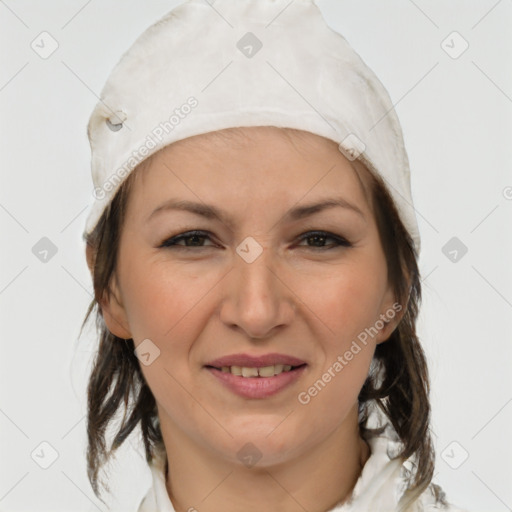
(163, 304)
(159, 299)
(347, 301)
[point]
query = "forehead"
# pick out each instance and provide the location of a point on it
(252, 160)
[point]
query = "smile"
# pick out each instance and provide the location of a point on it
(257, 383)
(251, 371)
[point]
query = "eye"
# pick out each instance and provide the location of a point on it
(194, 237)
(319, 237)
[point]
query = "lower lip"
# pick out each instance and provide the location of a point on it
(257, 387)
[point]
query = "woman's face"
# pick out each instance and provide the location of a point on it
(257, 289)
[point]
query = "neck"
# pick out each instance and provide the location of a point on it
(315, 481)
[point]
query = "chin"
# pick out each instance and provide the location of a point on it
(267, 445)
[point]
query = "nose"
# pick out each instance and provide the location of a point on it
(257, 300)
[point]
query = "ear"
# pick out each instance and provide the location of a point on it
(114, 312)
(392, 313)
(111, 305)
(90, 255)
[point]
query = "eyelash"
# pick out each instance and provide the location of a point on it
(171, 243)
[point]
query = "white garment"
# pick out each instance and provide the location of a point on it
(377, 489)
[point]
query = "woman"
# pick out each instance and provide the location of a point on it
(253, 248)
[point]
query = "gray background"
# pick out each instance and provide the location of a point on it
(456, 114)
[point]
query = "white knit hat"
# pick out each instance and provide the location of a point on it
(215, 64)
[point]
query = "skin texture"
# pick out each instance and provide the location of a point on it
(202, 302)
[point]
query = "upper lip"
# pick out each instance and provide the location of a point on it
(255, 361)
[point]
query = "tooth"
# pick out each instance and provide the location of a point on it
(266, 371)
(249, 372)
(236, 370)
(278, 368)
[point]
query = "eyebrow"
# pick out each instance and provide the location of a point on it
(214, 213)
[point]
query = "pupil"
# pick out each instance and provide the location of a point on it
(195, 237)
(317, 237)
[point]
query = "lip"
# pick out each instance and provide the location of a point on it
(257, 387)
(255, 361)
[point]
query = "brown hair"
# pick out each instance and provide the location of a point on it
(402, 393)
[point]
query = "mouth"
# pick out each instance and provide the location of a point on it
(256, 377)
(254, 371)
